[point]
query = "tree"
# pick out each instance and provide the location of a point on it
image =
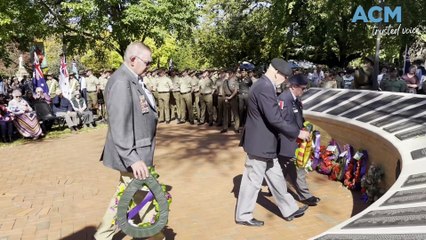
(117, 23)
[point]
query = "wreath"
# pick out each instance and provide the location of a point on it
(158, 195)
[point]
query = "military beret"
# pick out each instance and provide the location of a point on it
(282, 66)
(299, 80)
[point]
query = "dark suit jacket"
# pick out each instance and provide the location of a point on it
(264, 121)
(293, 115)
(132, 122)
(61, 104)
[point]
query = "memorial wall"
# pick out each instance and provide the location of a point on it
(392, 128)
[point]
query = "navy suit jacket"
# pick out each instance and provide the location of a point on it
(293, 115)
(264, 121)
(61, 105)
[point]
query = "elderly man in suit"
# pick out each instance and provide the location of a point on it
(291, 108)
(132, 123)
(259, 140)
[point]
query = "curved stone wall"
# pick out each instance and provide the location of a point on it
(392, 128)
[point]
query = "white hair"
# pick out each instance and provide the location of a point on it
(135, 49)
(16, 92)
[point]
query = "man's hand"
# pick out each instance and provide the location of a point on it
(140, 171)
(304, 135)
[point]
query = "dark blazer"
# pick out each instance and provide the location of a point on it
(61, 105)
(132, 122)
(264, 121)
(293, 115)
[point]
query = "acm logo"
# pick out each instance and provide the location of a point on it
(371, 16)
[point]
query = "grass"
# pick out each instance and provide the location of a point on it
(54, 133)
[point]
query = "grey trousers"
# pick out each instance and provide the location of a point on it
(296, 177)
(255, 171)
(71, 118)
(86, 117)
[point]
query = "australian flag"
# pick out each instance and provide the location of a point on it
(38, 77)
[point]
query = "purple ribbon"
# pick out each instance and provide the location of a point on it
(316, 159)
(134, 211)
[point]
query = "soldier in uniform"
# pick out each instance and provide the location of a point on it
(195, 82)
(230, 88)
(220, 99)
(164, 85)
(177, 98)
(186, 97)
(74, 84)
(103, 80)
(92, 84)
(244, 85)
(52, 85)
(206, 98)
(150, 84)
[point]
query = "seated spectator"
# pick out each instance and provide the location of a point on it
(391, 82)
(80, 107)
(29, 98)
(63, 108)
(25, 119)
(6, 121)
(40, 95)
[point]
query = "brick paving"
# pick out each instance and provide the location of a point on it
(57, 189)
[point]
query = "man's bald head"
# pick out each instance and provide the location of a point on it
(138, 57)
(135, 49)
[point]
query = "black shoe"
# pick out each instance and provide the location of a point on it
(181, 122)
(223, 131)
(160, 121)
(312, 201)
(167, 122)
(200, 123)
(299, 212)
(237, 131)
(191, 122)
(210, 124)
(253, 223)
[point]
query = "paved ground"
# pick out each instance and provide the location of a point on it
(57, 189)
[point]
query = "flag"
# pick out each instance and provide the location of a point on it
(38, 77)
(75, 69)
(64, 78)
(407, 62)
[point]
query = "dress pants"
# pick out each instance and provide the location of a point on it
(164, 106)
(255, 171)
(177, 105)
(233, 106)
(71, 118)
(296, 177)
(186, 105)
(107, 230)
(206, 101)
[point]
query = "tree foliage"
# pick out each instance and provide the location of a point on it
(207, 34)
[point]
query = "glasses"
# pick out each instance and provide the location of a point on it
(20, 96)
(147, 63)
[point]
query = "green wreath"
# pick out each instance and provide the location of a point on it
(161, 206)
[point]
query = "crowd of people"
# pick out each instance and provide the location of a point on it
(213, 97)
(22, 105)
